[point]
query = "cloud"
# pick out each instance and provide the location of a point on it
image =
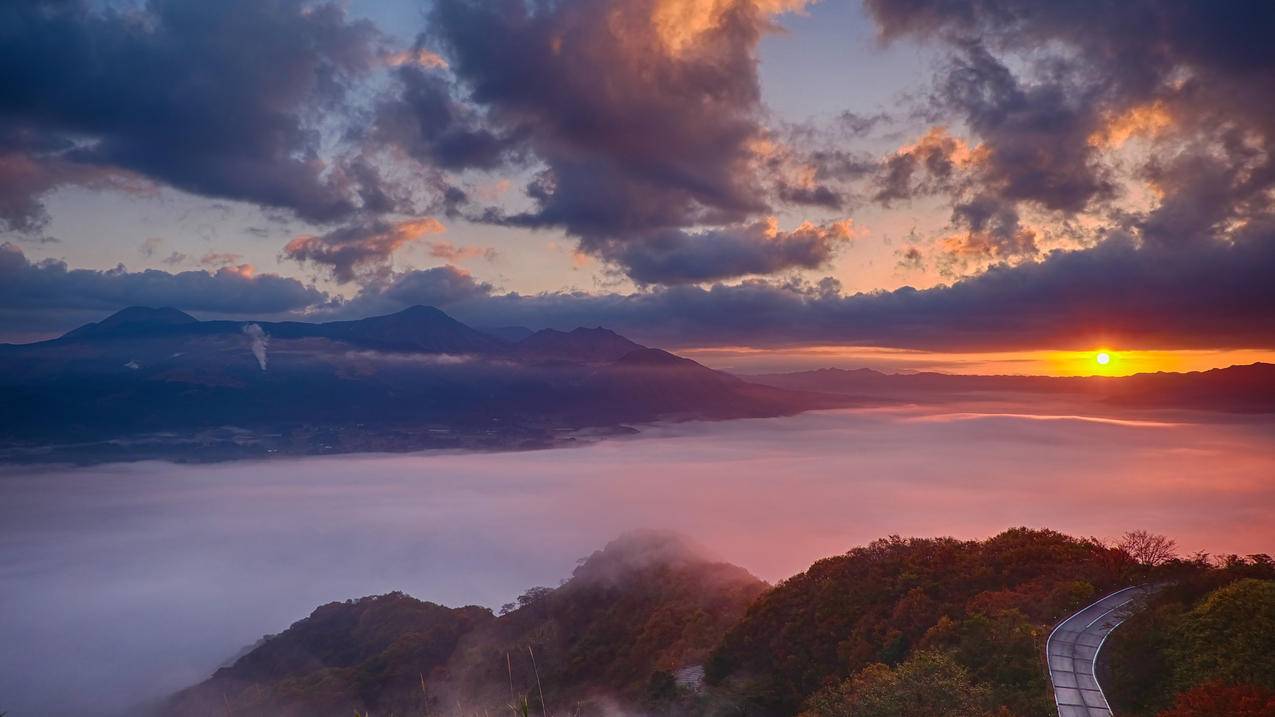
(675, 256)
(149, 246)
(359, 248)
(642, 117)
(1194, 79)
(926, 166)
(450, 252)
(31, 167)
(428, 123)
(50, 285)
(910, 259)
(218, 259)
(442, 286)
(1217, 294)
(417, 56)
(216, 99)
(1214, 294)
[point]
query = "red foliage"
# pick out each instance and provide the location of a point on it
(1217, 699)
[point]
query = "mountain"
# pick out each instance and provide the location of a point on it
(1240, 389)
(156, 383)
(645, 606)
(329, 658)
(135, 320)
(584, 345)
(508, 334)
(423, 329)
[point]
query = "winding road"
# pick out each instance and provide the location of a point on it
(1072, 649)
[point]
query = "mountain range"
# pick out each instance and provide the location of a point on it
(159, 383)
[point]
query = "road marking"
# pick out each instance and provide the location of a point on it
(1081, 705)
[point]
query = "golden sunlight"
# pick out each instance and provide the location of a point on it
(1103, 358)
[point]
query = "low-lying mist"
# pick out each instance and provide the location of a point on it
(122, 583)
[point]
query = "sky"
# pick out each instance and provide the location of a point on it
(190, 563)
(955, 177)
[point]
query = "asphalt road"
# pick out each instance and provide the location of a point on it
(1073, 647)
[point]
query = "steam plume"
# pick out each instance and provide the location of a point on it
(260, 340)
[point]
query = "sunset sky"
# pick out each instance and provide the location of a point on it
(957, 185)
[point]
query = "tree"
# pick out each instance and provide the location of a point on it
(1217, 699)
(1228, 636)
(1150, 549)
(928, 683)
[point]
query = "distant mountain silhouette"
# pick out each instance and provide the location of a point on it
(135, 319)
(158, 383)
(418, 328)
(1244, 389)
(586, 345)
(509, 334)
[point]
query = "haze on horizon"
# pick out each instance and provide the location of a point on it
(973, 186)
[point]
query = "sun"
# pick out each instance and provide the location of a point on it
(1103, 358)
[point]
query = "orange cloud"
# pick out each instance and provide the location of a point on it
(452, 253)
(1148, 120)
(680, 23)
(421, 57)
(349, 249)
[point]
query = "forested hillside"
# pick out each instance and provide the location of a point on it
(897, 628)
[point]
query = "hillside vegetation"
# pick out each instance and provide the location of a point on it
(1203, 646)
(897, 628)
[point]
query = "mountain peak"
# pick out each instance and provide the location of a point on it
(136, 317)
(420, 311)
(638, 550)
(416, 328)
(579, 344)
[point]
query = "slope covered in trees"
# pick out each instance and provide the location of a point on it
(897, 628)
(1204, 645)
(983, 605)
(644, 606)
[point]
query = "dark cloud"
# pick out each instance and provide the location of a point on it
(641, 118)
(1216, 295)
(675, 256)
(639, 128)
(1035, 136)
(1197, 77)
(217, 99)
(910, 259)
(926, 167)
(443, 287)
(362, 248)
(426, 121)
(51, 286)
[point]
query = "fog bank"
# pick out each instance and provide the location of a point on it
(124, 582)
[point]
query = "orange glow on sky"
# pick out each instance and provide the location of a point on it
(1022, 363)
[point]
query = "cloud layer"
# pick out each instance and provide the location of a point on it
(216, 99)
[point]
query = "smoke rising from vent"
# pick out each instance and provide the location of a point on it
(260, 340)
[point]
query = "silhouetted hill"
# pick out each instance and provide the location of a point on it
(134, 319)
(579, 345)
(158, 383)
(422, 329)
(647, 604)
(508, 334)
(1245, 389)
